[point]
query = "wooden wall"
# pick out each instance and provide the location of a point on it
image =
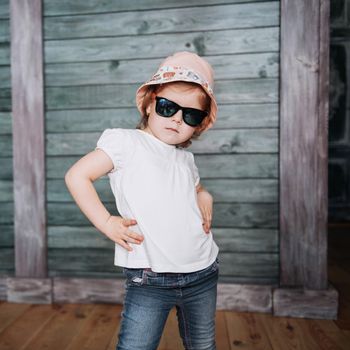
(96, 55)
(6, 174)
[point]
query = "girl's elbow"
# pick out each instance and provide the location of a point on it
(69, 176)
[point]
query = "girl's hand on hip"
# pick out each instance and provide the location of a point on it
(205, 204)
(117, 229)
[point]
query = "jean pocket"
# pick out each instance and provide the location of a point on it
(133, 276)
(215, 265)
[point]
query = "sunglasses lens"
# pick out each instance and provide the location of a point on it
(194, 117)
(165, 108)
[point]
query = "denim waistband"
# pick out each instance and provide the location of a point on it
(140, 276)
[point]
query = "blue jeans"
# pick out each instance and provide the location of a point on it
(151, 295)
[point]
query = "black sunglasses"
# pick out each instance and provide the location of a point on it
(167, 108)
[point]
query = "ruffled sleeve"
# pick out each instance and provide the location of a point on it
(114, 143)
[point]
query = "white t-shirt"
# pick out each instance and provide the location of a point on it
(154, 183)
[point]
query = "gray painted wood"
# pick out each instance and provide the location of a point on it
(5, 122)
(244, 298)
(214, 141)
(112, 96)
(263, 215)
(234, 41)
(236, 165)
(231, 41)
(6, 168)
(306, 303)
(28, 138)
(7, 210)
(223, 190)
(6, 190)
(7, 261)
(229, 239)
(29, 290)
(6, 236)
(88, 290)
(303, 136)
(92, 120)
(5, 72)
(320, 304)
(228, 16)
(253, 65)
(3, 288)
(101, 260)
(5, 97)
(67, 7)
(225, 16)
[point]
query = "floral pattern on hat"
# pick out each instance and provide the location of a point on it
(175, 73)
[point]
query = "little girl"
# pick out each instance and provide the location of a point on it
(162, 236)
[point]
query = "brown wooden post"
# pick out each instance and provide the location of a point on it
(28, 138)
(304, 143)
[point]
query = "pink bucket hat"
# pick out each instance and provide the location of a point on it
(183, 66)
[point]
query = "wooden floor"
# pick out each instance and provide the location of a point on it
(96, 326)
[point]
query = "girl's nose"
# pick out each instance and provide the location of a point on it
(178, 115)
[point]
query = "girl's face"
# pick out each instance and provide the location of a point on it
(173, 130)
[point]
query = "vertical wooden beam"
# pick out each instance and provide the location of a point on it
(304, 143)
(28, 138)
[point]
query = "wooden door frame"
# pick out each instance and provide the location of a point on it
(304, 290)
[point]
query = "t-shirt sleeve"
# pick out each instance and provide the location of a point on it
(113, 143)
(194, 170)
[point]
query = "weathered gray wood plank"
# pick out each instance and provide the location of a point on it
(254, 215)
(206, 43)
(4, 9)
(185, 19)
(232, 264)
(223, 190)
(230, 116)
(6, 210)
(5, 75)
(6, 168)
(249, 298)
(29, 290)
(214, 141)
(28, 138)
(109, 96)
(304, 143)
(242, 15)
(93, 120)
(63, 7)
(254, 65)
(5, 97)
(4, 30)
(238, 165)
(228, 239)
(7, 258)
(83, 290)
(6, 190)
(306, 303)
(229, 165)
(5, 123)
(6, 236)
(233, 41)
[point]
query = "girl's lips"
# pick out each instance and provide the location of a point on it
(172, 129)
